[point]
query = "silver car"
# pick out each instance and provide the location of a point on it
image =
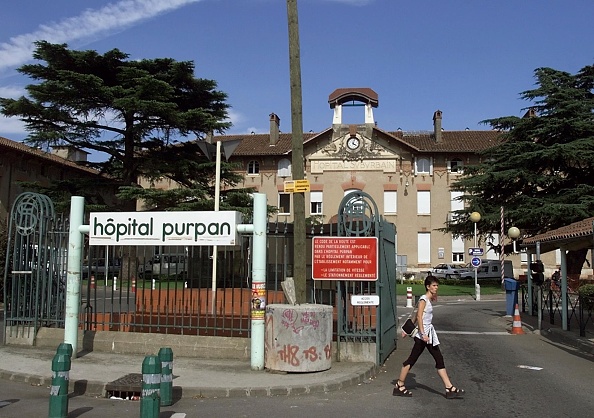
(448, 271)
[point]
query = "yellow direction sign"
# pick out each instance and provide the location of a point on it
(296, 186)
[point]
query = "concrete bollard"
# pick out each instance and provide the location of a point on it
(93, 286)
(58, 405)
(153, 284)
(409, 297)
(133, 287)
(115, 283)
(151, 385)
(166, 357)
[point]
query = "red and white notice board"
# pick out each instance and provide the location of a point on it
(345, 258)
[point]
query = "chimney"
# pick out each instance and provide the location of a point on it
(70, 153)
(437, 125)
(274, 128)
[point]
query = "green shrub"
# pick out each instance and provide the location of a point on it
(586, 292)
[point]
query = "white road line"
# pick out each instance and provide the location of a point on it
(474, 332)
(521, 366)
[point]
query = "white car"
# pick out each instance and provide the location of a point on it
(448, 271)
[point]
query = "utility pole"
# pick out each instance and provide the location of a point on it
(297, 162)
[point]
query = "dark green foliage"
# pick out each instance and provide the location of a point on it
(137, 113)
(543, 172)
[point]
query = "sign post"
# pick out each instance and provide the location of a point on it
(345, 258)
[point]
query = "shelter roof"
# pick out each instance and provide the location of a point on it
(575, 236)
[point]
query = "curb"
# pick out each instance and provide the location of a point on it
(98, 389)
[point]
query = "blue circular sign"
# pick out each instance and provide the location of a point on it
(475, 261)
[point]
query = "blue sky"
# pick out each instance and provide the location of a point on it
(468, 58)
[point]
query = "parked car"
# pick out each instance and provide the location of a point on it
(448, 271)
(489, 269)
(165, 266)
(98, 268)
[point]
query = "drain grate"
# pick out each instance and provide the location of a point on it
(126, 387)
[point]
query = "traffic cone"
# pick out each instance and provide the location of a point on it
(517, 325)
(133, 284)
(92, 282)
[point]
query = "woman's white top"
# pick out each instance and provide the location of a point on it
(427, 319)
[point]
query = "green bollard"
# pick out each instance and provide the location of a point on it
(58, 407)
(65, 348)
(166, 357)
(151, 385)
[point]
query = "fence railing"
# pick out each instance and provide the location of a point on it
(580, 309)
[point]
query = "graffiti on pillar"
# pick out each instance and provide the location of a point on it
(293, 321)
(289, 353)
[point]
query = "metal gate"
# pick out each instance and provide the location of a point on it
(358, 216)
(35, 268)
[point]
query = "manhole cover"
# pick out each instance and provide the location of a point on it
(126, 387)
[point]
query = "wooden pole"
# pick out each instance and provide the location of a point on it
(299, 255)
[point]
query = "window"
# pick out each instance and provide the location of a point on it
(423, 202)
(284, 203)
(253, 167)
(284, 168)
(424, 247)
(456, 204)
(390, 199)
(457, 250)
(423, 166)
(456, 166)
(315, 199)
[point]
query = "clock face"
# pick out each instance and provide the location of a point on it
(353, 143)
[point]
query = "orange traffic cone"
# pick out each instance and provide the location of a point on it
(517, 325)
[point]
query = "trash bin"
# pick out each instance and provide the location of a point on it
(511, 294)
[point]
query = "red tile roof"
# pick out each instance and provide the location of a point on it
(576, 230)
(422, 142)
(19, 146)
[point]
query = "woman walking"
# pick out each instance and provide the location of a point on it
(426, 338)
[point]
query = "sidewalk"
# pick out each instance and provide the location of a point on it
(96, 373)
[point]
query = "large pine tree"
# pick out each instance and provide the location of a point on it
(543, 171)
(143, 115)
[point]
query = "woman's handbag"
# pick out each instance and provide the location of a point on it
(410, 328)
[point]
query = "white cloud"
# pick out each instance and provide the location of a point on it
(112, 17)
(12, 126)
(11, 92)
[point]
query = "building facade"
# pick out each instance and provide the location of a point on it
(408, 174)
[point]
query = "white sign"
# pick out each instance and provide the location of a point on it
(160, 228)
(371, 300)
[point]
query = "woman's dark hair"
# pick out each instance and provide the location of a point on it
(430, 280)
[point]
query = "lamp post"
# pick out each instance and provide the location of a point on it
(475, 217)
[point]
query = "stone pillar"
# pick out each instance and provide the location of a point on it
(298, 337)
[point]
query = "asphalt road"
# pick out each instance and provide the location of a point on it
(504, 376)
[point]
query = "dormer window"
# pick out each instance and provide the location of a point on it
(456, 166)
(253, 167)
(423, 165)
(284, 168)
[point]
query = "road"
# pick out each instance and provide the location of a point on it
(504, 376)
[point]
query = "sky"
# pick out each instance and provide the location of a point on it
(470, 59)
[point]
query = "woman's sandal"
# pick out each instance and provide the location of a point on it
(401, 390)
(453, 392)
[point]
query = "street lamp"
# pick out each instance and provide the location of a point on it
(475, 217)
(513, 233)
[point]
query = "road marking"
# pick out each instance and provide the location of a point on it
(521, 366)
(474, 332)
(178, 415)
(4, 403)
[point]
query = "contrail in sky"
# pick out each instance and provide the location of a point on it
(19, 49)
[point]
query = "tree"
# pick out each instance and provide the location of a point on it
(137, 112)
(543, 171)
